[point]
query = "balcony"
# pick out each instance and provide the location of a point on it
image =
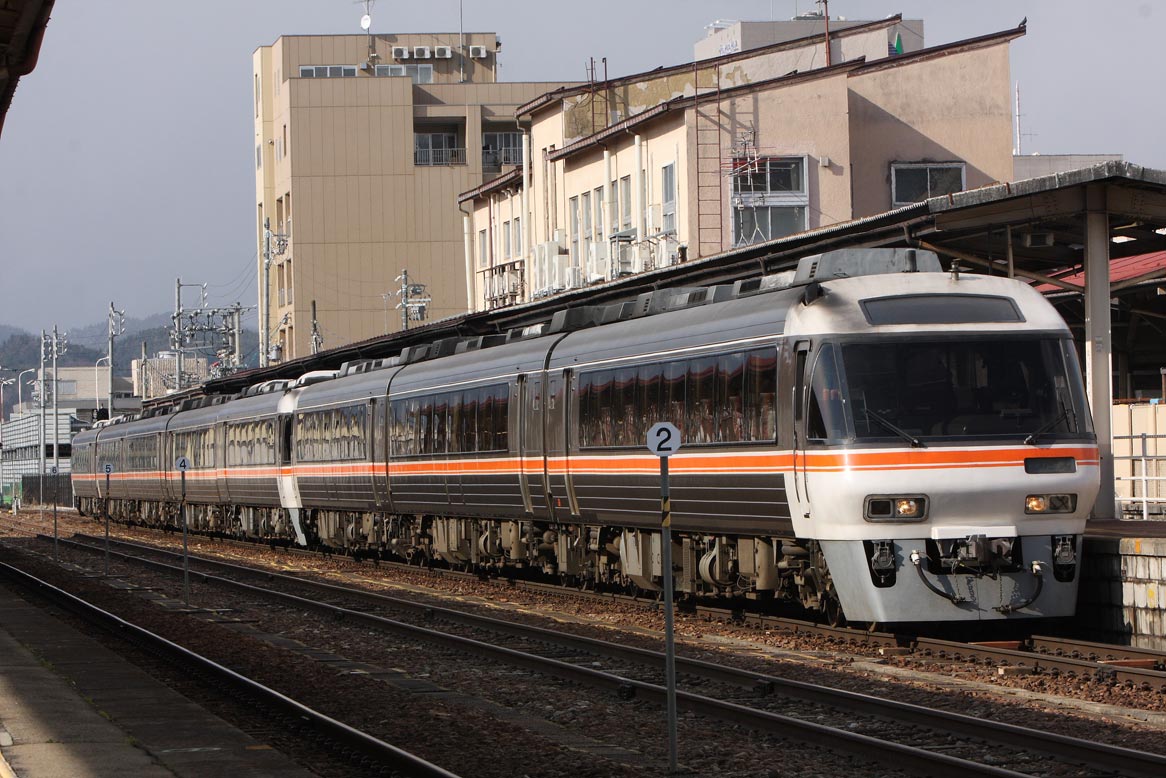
(438, 157)
(496, 159)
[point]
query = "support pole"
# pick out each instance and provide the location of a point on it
(1099, 342)
(669, 640)
(185, 550)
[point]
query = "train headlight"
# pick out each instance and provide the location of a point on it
(892, 507)
(1050, 503)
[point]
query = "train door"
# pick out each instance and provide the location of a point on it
(534, 459)
(525, 457)
(378, 442)
(798, 403)
(562, 491)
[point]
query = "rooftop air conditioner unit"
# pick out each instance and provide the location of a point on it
(442, 52)
(400, 52)
(421, 52)
(477, 52)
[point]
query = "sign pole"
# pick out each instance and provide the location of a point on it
(55, 480)
(669, 641)
(108, 471)
(182, 463)
(664, 439)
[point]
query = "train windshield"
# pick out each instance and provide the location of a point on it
(916, 389)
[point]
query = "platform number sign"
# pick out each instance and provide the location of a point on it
(182, 464)
(108, 468)
(53, 470)
(663, 439)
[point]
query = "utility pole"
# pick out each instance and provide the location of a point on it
(317, 338)
(181, 334)
(414, 300)
(41, 481)
(117, 322)
(274, 244)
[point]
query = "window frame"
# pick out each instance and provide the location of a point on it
(928, 166)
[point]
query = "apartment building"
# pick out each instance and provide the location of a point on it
(687, 162)
(362, 143)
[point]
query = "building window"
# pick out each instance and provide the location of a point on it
(327, 71)
(390, 70)
(574, 210)
(913, 182)
(501, 148)
(506, 240)
(585, 207)
(421, 74)
(770, 198)
(259, 157)
(625, 202)
(597, 198)
(483, 255)
(517, 227)
(437, 148)
(668, 199)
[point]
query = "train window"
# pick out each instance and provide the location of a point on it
(650, 400)
(456, 433)
(940, 309)
(761, 396)
(730, 401)
(826, 419)
(469, 419)
(625, 415)
(501, 417)
(701, 426)
(673, 390)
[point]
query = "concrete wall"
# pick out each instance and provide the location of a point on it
(954, 107)
(1122, 597)
(742, 36)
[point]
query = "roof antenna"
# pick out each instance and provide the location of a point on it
(955, 269)
(366, 25)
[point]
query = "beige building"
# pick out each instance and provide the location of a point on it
(685, 162)
(361, 146)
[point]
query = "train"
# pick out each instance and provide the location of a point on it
(869, 435)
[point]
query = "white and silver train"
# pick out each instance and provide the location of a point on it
(875, 438)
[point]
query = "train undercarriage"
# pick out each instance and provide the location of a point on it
(580, 555)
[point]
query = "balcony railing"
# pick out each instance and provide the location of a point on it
(496, 158)
(439, 157)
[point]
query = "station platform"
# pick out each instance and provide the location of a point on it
(1122, 597)
(71, 708)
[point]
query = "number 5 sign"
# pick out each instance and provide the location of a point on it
(663, 439)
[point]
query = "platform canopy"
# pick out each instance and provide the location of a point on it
(22, 27)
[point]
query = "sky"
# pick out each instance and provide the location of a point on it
(127, 156)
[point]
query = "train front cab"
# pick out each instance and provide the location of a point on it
(946, 468)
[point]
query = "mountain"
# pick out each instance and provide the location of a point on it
(97, 335)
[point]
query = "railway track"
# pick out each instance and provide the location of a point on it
(358, 746)
(570, 656)
(1136, 667)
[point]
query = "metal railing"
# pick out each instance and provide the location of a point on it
(493, 158)
(438, 157)
(1145, 478)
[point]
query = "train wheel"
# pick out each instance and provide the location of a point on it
(832, 609)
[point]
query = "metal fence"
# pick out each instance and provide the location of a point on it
(438, 157)
(1139, 474)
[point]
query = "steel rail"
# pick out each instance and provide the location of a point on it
(336, 731)
(1097, 755)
